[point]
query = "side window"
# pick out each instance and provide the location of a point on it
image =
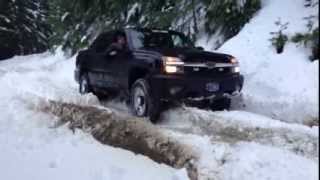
(177, 41)
(138, 39)
(101, 43)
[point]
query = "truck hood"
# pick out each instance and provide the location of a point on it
(193, 55)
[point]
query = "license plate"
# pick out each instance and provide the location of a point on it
(212, 87)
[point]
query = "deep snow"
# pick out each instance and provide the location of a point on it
(283, 86)
(32, 148)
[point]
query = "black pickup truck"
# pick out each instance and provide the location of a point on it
(157, 66)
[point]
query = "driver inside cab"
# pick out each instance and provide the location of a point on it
(118, 45)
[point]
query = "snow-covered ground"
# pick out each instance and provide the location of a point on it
(32, 149)
(230, 144)
(236, 144)
(246, 143)
(283, 86)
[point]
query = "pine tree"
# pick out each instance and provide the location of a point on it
(77, 22)
(229, 16)
(8, 38)
(23, 26)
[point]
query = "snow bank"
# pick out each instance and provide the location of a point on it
(283, 86)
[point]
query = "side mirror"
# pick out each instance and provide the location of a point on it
(112, 53)
(200, 48)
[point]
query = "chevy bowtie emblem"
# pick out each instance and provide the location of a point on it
(211, 64)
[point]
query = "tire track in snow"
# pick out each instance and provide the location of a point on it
(298, 139)
(220, 128)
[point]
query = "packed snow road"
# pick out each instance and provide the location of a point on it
(231, 145)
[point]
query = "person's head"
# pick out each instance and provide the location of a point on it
(120, 38)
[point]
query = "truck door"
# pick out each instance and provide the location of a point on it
(110, 69)
(116, 65)
(120, 68)
(101, 65)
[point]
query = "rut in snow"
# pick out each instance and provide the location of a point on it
(134, 134)
(226, 129)
(231, 130)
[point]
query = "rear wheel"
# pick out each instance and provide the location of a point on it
(143, 103)
(84, 86)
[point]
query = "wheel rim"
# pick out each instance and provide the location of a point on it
(139, 102)
(83, 86)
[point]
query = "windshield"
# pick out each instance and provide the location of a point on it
(166, 39)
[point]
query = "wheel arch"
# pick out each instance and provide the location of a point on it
(136, 73)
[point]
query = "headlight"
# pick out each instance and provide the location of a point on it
(236, 68)
(172, 64)
(172, 60)
(234, 61)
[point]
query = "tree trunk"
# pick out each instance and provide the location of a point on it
(194, 15)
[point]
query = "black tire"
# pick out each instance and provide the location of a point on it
(221, 104)
(84, 84)
(142, 102)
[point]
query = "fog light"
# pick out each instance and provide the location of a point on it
(175, 90)
(236, 69)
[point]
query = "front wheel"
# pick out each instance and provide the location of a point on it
(143, 102)
(221, 104)
(84, 86)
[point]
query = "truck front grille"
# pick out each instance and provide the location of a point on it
(204, 71)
